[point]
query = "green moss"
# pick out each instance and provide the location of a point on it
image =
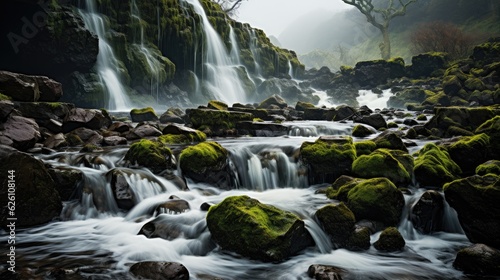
(470, 151)
(392, 125)
(390, 240)
(365, 147)
(182, 138)
(434, 166)
(215, 119)
(421, 117)
(253, 229)
(474, 84)
(384, 163)
(217, 105)
(4, 97)
(376, 199)
(341, 187)
(143, 111)
(89, 148)
(151, 154)
(203, 156)
(361, 131)
(489, 167)
(359, 239)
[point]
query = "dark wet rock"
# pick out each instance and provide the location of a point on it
(478, 259)
(261, 129)
(114, 140)
(122, 192)
(37, 200)
(319, 114)
(390, 240)
(489, 167)
(46, 114)
(19, 132)
(273, 100)
(376, 121)
(173, 115)
(175, 206)
(255, 230)
(476, 201)
(66, 181)
(463, 117)
(215, 119)
(359, 239)
(470, 151)
(120, 127)
(325, 272)
(326, 152)
(160, 271)
(361, 131)
(377, 72)
(427, 64)
(143, 115)
(344, 112)
(89, 118)
(390, 140)
(302, 106)
(337, 221)
(427, 214)
(88, 136)
(19, 87)
(6, 107)
(207, 162)
(143, 131)
(56, 141)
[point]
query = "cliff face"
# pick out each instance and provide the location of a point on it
(156, 44)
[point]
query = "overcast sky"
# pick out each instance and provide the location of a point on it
(274, 15)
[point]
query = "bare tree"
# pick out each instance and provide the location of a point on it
(381, 17)
(229, 6)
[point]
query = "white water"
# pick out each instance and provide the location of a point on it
(235, 49)
(219, 73)
(255, 51)
(373, 100)
(154, 65)
(107, 64)
(101, 241)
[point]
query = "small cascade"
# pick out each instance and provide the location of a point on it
(255, 51)
(373, 100)
(290, 70)
(235, 50)
(107, 64)
(450, 220)
(318, 128)
(155, 67)
(219, 73)
(262, 168)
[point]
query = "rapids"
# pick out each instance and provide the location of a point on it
(94, 238)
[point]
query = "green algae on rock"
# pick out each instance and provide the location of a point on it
(434, 166)
(151, 154)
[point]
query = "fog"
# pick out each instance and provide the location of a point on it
(274, 16)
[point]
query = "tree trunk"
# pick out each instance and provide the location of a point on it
(385, 46)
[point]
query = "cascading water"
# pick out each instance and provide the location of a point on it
(107, 64)
(154, 66)
(219, 73)
(255, 51)
(373, 100)
(235, 50)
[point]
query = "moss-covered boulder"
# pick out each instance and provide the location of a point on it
(337, 221)
(328, 158)
(376, 199)
(462, 117)
(390, 140)
(491, 166)
(361, 131)
(390, 240)
(274, 100)
(216, 119)
(28, 181)
(434, 166)
(365, 147)
(256, 230)
(491, 128)
(377, 72)
(151, 154)
(470, 151)
(217, 105)
(476, 201)
(178, 134)
(426, 64)
(359, 239)
(395, 165)
(478, 259)
(143, 115)
(206, 162)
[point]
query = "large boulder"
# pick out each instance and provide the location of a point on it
(434, 167)
(470, 151)
(376, 121)
(28, 181)
(206, 162)
(390, 240)
(376, 199)
(390, 140)
(377, 72)
(395, 165)
(462, 117)
(255, 230)
(491, 128)
(476, 201)
(19, 87)
(89, 118)
(478, 259)
(491, 166)
(153, 155)
(143, 115)
(179, 134)
(337, 221)
(46, 114)
(328, 158)
(216, 119)
(427, 64)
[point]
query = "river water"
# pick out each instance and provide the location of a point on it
(94, 238)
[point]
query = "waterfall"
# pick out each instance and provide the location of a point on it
(155, 67)
(255, 51)
(107, 64)
(290, 69)
(235, 50)
(219, 73)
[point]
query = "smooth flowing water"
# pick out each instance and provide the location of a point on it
(107, 64)
(98, 239)
(219, 72)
